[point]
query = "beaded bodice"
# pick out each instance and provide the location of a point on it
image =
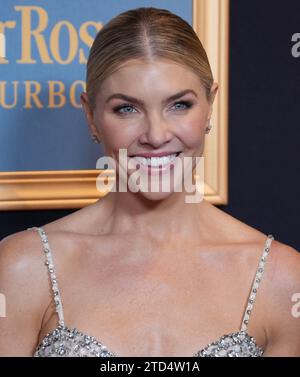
(68, 341)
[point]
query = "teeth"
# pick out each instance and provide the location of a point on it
(155, 161)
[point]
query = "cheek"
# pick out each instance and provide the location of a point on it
(114, 132)
(192, 130)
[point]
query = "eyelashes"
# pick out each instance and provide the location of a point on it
(187, 104)
(117, 109)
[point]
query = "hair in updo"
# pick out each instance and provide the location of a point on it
(145, 33)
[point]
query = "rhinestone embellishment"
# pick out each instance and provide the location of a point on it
(239, 344)
(69, 342)
(64, 341)
(257, 280)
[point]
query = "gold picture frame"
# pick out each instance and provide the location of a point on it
(64, 189)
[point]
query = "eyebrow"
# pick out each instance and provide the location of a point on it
(140, 102)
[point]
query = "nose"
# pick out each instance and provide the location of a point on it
(157, 132)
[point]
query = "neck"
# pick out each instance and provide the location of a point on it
(170, 218)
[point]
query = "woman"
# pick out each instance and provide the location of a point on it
(143, 272)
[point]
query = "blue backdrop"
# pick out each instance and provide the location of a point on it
(42, 126)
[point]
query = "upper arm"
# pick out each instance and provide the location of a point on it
(23, 287)
(282, 311)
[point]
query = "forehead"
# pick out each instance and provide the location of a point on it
(151, 76)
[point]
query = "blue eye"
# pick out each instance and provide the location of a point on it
(124, 106)
(186, 105)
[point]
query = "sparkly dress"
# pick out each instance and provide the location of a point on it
(68, 341)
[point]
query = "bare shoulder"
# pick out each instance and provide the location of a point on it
(278, 300)
(20, 252)
(286, 260)
(284, 271)
(283, 264)
(282, 291)
(25, 287)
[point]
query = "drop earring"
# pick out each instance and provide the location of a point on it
(95, 139)
(208, 128)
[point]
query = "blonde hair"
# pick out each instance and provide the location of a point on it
(145, 33)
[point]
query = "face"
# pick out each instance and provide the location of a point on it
(156, 108)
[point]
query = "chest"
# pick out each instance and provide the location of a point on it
(170, 305)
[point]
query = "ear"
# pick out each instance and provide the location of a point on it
(213, 92)
(89, 114)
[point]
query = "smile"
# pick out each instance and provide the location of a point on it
(156, 161)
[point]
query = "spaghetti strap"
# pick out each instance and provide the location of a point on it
(256, 282)
(52, 275)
